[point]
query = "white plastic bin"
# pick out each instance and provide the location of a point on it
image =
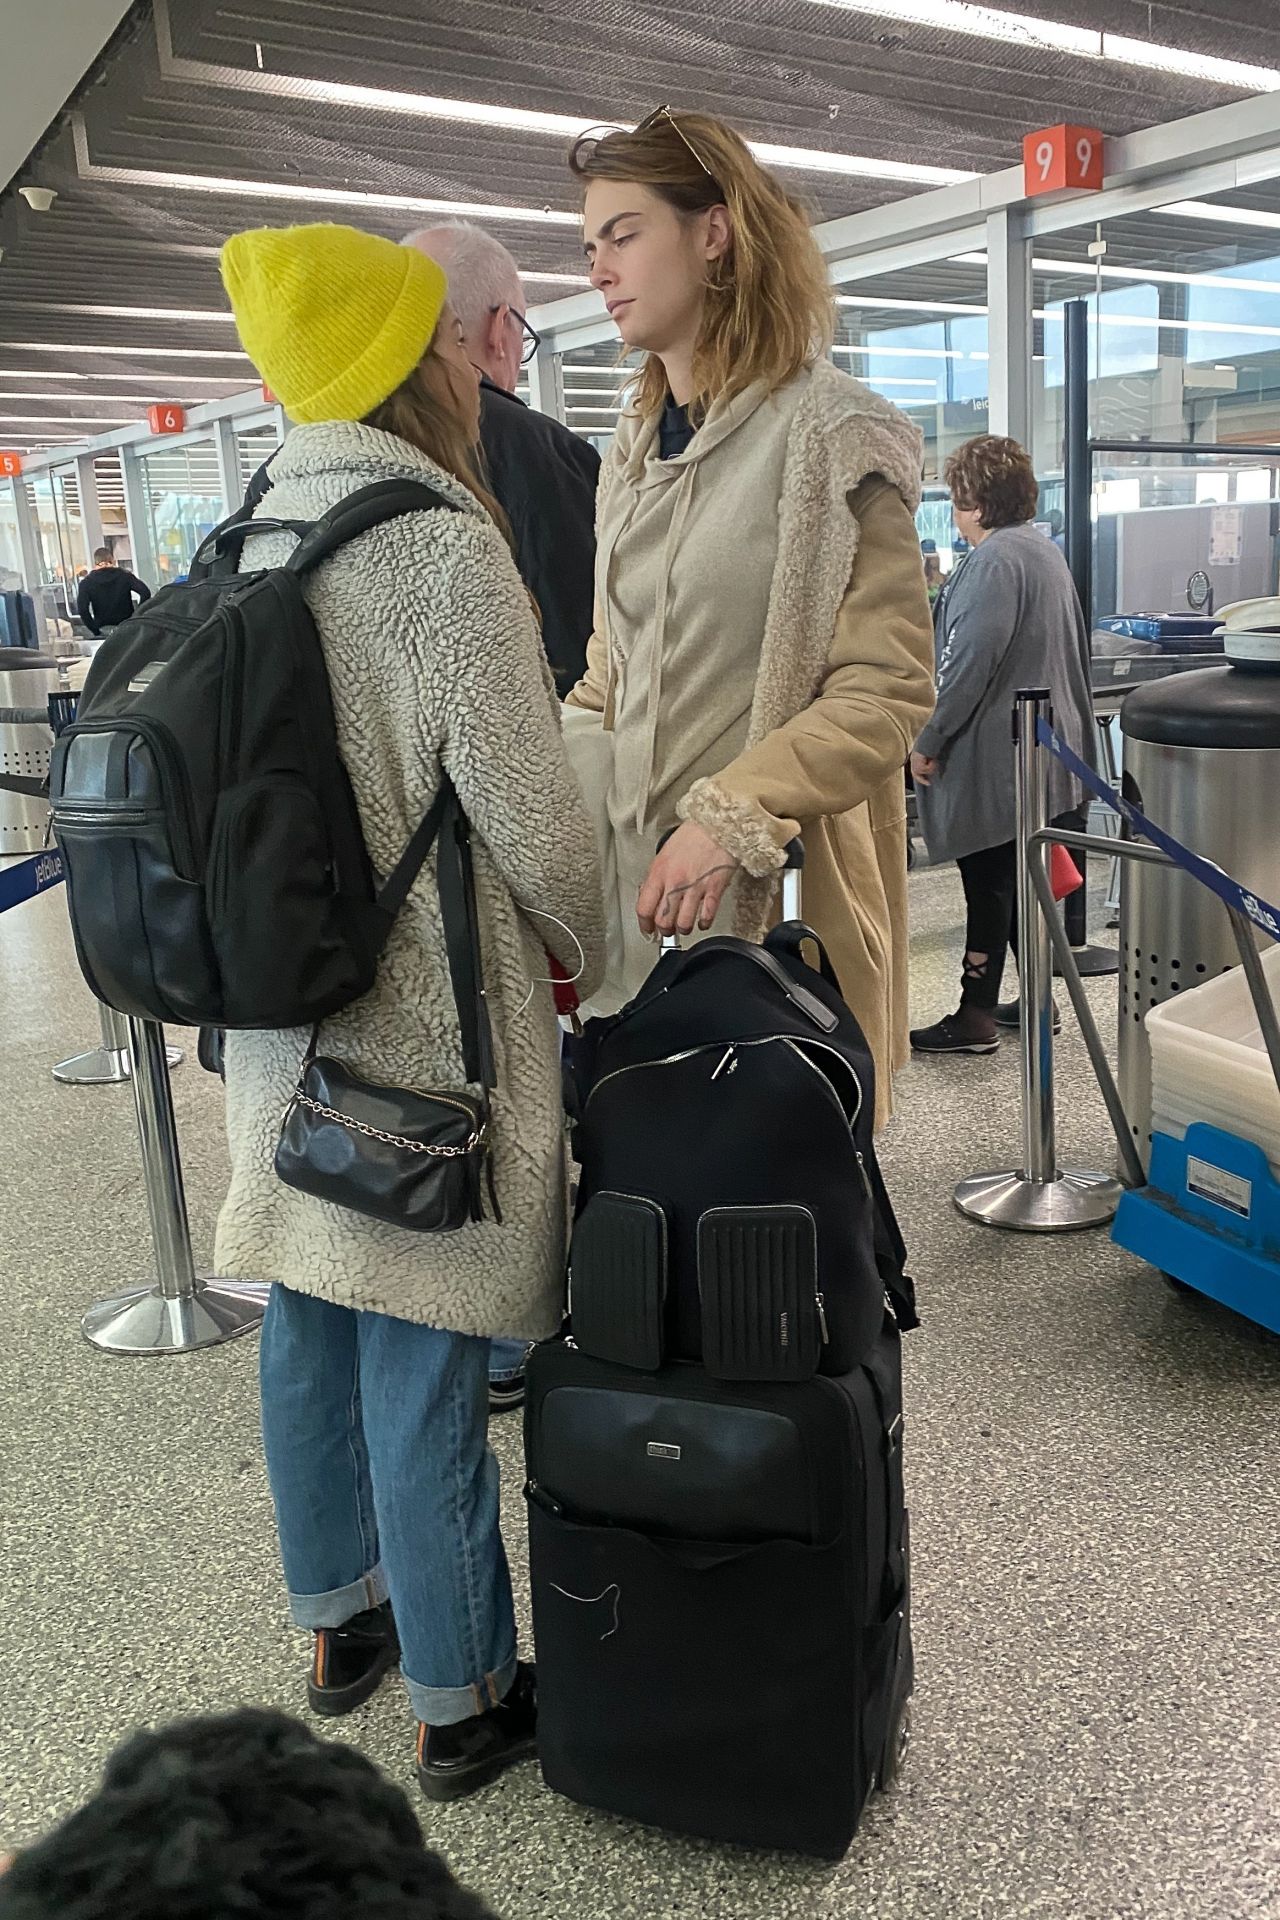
(1208, 1061)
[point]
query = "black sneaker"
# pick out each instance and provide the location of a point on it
(455, 1761)
(351, 1660)
(957, 1033)
(1009, 1014)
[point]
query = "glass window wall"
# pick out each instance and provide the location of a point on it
(1184, 352)
(11, 568)
(182, 491)
(53, 498)
(255, 442)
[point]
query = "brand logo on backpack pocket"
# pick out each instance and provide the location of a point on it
(659, 1450)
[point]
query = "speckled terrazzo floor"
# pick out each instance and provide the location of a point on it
(1092, 1470)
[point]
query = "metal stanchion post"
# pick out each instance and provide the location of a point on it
(106, 1065)
(183, 1310)
(1038, 1196)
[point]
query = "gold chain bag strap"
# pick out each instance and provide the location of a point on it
(413, 1158)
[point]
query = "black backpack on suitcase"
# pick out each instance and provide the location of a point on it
(215, 863)
(730, 1207)
(718, 1533)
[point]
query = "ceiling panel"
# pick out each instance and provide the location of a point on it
(795, 72)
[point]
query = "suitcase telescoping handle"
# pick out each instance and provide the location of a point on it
(792, 886)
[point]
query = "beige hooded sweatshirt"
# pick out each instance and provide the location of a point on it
(762, 662)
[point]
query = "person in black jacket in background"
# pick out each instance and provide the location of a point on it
(107, 595)
(543, 475)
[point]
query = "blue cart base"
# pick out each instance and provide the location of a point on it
(1210, 1217)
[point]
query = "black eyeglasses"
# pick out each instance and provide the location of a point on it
(532, 341)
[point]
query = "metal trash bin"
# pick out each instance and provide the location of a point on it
(1202, 760)
(26, 681)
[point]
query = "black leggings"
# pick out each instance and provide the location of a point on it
(990, 880)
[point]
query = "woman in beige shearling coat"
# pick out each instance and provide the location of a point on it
(763, 656)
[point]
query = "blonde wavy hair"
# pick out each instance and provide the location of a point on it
(429, 412)
(769, 309)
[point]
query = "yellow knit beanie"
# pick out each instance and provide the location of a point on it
(332, 319)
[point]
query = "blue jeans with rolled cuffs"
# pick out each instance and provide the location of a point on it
(384, 1486)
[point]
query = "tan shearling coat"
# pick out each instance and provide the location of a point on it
(840, 678)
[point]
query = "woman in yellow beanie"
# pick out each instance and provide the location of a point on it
(375, 1346)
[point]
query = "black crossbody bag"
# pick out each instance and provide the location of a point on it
(417, 1159)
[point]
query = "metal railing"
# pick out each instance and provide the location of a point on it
(1039, 1196)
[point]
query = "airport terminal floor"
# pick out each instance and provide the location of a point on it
(1090, 1472)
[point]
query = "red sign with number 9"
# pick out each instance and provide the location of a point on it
(1061, 159)
(167, 417)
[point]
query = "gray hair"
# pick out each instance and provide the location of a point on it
(482, 274)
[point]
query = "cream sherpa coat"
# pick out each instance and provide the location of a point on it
(788, 532)
(434, 662)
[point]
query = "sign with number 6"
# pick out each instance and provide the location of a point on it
(1059, 159)
(167, 417)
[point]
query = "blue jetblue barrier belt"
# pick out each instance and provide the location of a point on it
(1230, 892)
(27, 878)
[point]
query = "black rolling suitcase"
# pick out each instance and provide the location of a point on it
(718, 1533)
(720, 1595)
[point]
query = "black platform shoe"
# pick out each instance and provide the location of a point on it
(351, 1660)
(454, 1761)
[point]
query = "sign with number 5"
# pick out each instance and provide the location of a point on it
(167, 417)
(1059, 159)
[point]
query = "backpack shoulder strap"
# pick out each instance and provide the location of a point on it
(228, 537)
(384, 500)
(445, 826)
(219, 552)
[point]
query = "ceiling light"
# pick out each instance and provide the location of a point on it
(229, 379)
(125, 313)
(68, 419)
(131, 399)
(903, 353)
(1156, 322)
(1163, 276)
(559, 279)
(1054, 36)
(141, 353)
(481, 113)
(39, 199)
(1152, 56)
(857, 166)
(906, 306)
(1231, 216)
(322, 196)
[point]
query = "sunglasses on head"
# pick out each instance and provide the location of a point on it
(654, 119)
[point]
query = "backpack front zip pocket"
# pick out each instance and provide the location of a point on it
(173, 802)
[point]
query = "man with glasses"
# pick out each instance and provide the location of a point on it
(543, 475)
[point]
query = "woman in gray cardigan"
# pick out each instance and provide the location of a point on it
(1007, 618)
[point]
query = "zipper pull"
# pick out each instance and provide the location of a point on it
(820, 1301)
(866, 1177)
(729, 1054)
